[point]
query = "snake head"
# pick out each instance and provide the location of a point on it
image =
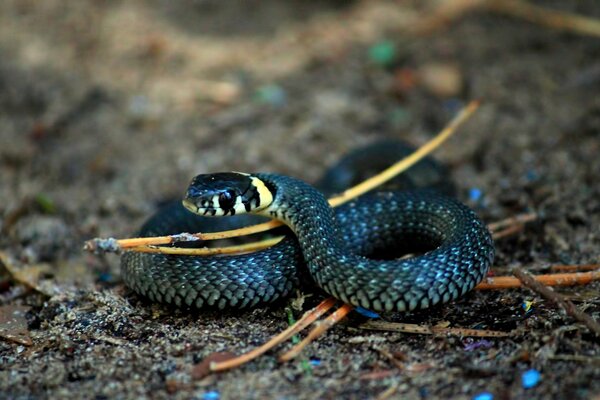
(226, 193)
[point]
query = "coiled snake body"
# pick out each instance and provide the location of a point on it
(349, 251)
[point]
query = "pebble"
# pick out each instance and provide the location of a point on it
(484, 396)
(383, 53)
(442, 80)
(530, 378)
(272, 94)
(212, 395)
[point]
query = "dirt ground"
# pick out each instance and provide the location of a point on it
(108, 108)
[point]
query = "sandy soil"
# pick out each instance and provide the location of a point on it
(108, 108)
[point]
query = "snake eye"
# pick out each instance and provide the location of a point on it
(227, 200)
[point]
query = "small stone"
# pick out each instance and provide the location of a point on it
(530, 378)
(443, 80)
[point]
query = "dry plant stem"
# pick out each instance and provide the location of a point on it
(544, 16)
(530, 282)
(321, 328)
(567, 279)
(430, 330)
(308, 318)
(571, 268)
(389, 392)
(506, 232)
(208, 251)
(445, 13)
(512, 221)
(451, 10)
(348, 195)
(390, 357)
(409, 161)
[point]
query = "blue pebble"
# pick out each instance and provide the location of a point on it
(383, 53)
(212, 395)
(530, 378)
(315, 362)
(475, 194)
(532, 175)
(105, 277)
(484, 396)
(367, 313)
(272, 94)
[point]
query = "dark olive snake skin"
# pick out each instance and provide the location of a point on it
(348, 251)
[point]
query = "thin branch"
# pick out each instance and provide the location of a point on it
(451, 10)
(567, 279)
(571, 268)
(511, 221)
(208, 251)
(409, 161)
(320, 329)
(430, 330)
(308, 318)
(530, 282)
(544, 16)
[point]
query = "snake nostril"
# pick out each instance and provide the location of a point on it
(192, 192)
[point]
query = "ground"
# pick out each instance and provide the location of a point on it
(108, 108)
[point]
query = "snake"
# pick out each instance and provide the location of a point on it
(351, 252)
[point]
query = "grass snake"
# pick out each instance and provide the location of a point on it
(351, 252)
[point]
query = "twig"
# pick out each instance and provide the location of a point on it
(575, 357)
(451, 10)
(506, 232)
(208, 251)
(568, 279)
(323, 326)
(543, 16)
(511, 221)
(571, 268)
(510, 226)
(390, 357)
(430, 330)
(409, 161)
(530, 282)
(444, 14)
(308, 318)
(389, 392)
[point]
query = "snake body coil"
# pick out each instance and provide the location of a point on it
(349, 251)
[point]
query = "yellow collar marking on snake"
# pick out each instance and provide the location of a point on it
(265, 195)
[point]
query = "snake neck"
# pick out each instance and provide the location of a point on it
(307, 212)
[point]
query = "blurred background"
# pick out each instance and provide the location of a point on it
(108, 108)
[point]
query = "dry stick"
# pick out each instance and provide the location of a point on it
(452, 10)
(543, 16)
(430, 330)
(510, 226)
(348, 195)
(389, 392)
(511, 221)
(323, 326)
(570, 268)
(409, 161)
(530, 282)
(445, 13)
(569, 279)
(209, 251)
(506, 232)
(308, 318)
